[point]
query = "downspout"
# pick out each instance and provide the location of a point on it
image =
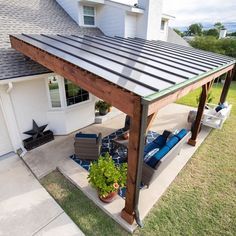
(21, 151)
(140, 161)
(10, 87)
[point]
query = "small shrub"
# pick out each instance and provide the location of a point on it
(107, 177)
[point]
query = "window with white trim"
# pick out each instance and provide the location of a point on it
(163, 23)
(63, 93)
(89, 15)
(74, 94)
(54, 91)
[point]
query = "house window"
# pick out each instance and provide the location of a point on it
(89, 15)
(74, 94)
(54, 92)
(163, 23)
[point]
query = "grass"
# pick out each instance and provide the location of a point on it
(201, 200)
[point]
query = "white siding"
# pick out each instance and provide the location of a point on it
(30, 101)
(72, 118)
(130, 25)
(148, 24)
(71, 7)
(163, 34)
(5, 143)
(111, 20)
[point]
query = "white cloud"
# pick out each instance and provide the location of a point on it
(192, 11)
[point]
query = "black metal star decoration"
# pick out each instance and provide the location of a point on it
(37, 131)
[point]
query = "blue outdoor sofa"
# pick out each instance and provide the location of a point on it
(154, 165)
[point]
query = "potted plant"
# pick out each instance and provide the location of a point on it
(107, 177)
(103, 107)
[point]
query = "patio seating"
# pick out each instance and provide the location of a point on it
(214, 115)
(87, 146)
(167, 151)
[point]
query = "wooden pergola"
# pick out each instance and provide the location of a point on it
(138, 77)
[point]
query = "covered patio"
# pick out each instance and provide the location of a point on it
(136, 76)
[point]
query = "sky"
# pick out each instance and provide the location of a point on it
(194, 11)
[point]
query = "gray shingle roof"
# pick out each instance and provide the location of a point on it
(31, 17)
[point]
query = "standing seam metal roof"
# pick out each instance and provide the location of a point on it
(140, 66)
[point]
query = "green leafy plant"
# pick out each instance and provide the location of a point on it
(107, 177)
(210, 97)
(102, 106)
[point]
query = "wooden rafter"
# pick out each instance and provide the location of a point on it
(88, 81)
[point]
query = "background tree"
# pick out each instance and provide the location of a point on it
(211, 32)
(219, 26)
(195, 29)
(209, 43)
(178, 32)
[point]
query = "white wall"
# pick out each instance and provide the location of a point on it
(149, 23)
(71, 7)
(130, 25)
(30, 101)
(65, 121)
(111, 20)
(163, 34)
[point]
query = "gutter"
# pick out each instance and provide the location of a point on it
(156, 96)
(140, 162)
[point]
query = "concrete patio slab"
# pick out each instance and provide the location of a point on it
(25, 206)
(148, 197)
(56, 154)
(46, 158)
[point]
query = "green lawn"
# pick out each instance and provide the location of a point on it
(201, 200)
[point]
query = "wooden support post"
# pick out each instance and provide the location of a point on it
(201, 107)
(227, 83)
(133, 155)
(150, 120)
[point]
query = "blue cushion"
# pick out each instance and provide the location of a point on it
(181, 133)
(157, 143)
(149, 147)
(160, 141)
(158, 156)
(81, 135)
(172, 142)
(219, 107)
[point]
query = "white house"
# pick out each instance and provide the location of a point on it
(143, 19)
(30, 91)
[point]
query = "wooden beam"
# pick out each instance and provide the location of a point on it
(203, 98)
(227, 84)
(133, 155)
(150, 120)
(101, 88)
(163, 101)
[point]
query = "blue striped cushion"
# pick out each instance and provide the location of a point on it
(181, 133)
(172, 142)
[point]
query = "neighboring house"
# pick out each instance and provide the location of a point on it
(30, 91)
(144, 19)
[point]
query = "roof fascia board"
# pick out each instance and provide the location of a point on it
(25, 78)
(167, 16)
(159, 95)
(125, 7)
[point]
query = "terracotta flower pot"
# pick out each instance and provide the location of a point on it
(109, 198)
